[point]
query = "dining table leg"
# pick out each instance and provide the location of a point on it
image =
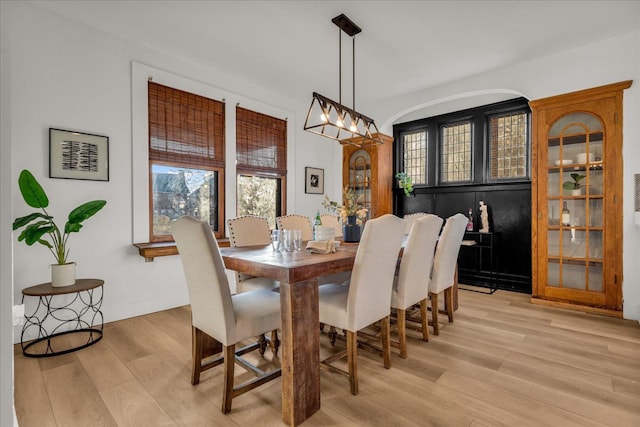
(300, 351)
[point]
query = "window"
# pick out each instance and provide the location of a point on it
(414, 149)
(508, 149)
(455, 149)
(186, 159)
(261, 147)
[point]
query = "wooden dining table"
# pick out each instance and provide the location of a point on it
(298, 273)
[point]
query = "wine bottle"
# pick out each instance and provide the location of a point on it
(566, 215)
(316, 222)
(470, 222)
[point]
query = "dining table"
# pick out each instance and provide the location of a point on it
(298, 272)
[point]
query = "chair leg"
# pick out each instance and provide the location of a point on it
(449, 299)
(229, 366)
(434, 313)
(352, 360)
(262, 343)
(385, 336)
(424, 320)
(196, 354)
(402, 332)
(275, 342)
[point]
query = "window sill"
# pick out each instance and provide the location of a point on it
(151, 250)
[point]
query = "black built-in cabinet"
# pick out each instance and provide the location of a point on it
(509, 202)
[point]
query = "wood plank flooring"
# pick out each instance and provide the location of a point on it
(503, 362)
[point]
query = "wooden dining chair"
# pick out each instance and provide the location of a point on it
(215, 313)
(296, 222)
(411, 285)
(444, 266)
(331, 220)
(367, 299)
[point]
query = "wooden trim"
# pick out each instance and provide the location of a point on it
(576, 307)
(150, 250)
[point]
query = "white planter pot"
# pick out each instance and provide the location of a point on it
(576, 192)
(63, 274)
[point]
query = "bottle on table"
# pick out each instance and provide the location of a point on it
(470, 221)
(316, 222)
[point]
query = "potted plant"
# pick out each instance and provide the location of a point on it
(40, 227)
(352, 213)
(574, 185)
(405, 182)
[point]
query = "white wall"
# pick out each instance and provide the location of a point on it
(606, 62)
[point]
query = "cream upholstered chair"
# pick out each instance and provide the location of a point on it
(296, 222)
(368, 297)
(411, 286)
(444, 265)
(330, 220)
(215, 312)
(411, 218)
(249, 230)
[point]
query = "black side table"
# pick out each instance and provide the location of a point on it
(81, 315)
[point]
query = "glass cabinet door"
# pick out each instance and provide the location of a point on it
(360, 176)
(575, 165)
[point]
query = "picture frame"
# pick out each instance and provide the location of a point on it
(78, 155)
(314, 180)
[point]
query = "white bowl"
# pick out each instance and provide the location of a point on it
(584, 157)
(563, 162)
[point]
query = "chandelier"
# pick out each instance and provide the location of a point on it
(333, 119)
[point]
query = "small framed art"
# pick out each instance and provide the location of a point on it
(314, 180)
(77, 155)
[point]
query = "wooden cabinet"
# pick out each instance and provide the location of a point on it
(577, 232)
(368, 170)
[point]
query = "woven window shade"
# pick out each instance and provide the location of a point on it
(261, 143)
(185, 128)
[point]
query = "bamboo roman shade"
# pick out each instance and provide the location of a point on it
(185, 128)
(261, 143)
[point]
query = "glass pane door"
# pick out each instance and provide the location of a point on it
(575, 234)
(360, 177)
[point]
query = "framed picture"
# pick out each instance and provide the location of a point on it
(314, 180)
(77, 155)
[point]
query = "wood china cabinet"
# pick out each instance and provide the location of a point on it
(577, 234)
(368, 171)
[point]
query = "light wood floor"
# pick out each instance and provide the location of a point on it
(502, 362)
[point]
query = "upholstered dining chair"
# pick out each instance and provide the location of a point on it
(229, 319)
(411, 285)
(296, 222)
(331, 220)
(411, 218)
(249, 230)
(444, 266)
(367, 299)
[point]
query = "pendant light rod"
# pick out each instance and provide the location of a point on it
(353, 75)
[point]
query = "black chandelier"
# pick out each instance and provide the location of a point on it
(334, 120)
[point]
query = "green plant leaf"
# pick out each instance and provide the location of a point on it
(568, 185)
(35, 231)
(84, 211)
(22, 221)
(32, 192)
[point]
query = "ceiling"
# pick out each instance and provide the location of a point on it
(405, 46)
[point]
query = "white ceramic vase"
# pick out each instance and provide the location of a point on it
(63, 274)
